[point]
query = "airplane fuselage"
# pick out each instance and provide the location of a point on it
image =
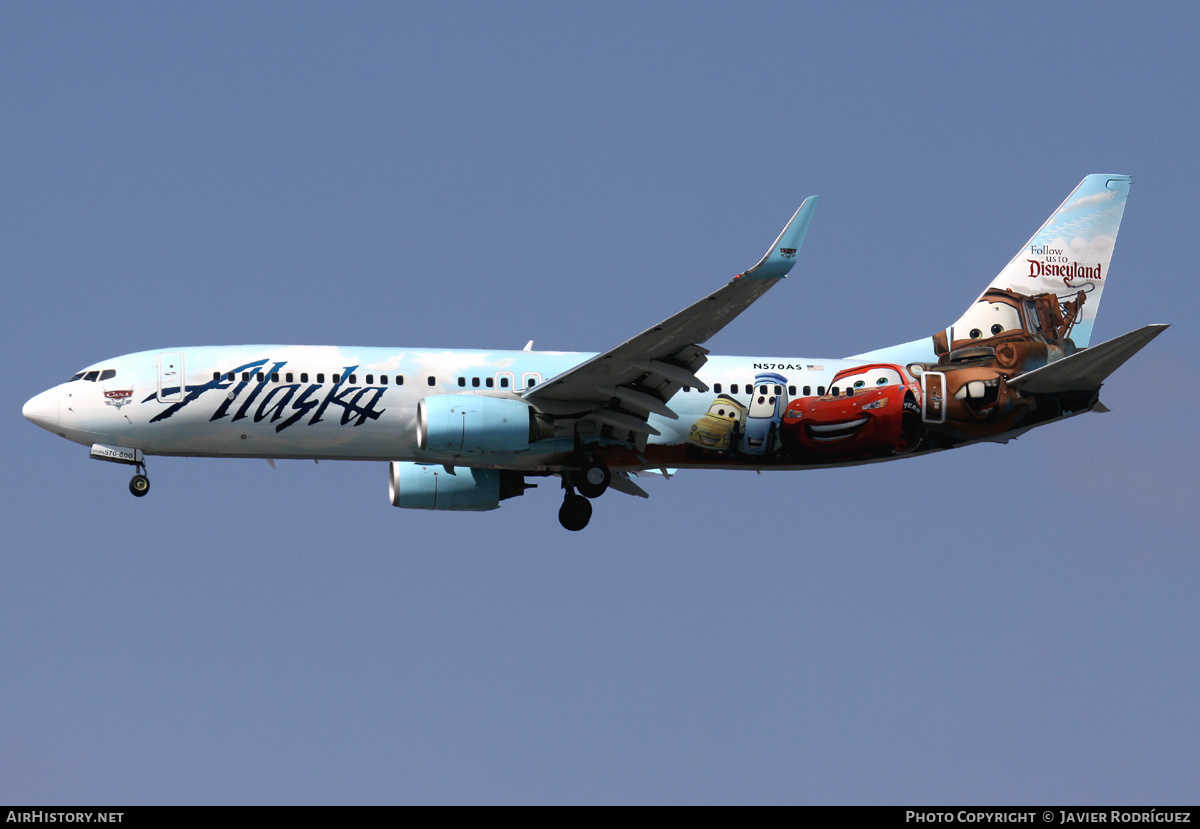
(360, 403)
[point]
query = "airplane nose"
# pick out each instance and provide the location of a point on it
(42, 410)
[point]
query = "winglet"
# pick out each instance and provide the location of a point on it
(779, 259)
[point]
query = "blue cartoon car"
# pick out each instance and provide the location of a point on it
(760, 435)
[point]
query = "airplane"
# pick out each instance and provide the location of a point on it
(465, 429)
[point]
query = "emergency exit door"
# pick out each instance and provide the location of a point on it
(170, 377)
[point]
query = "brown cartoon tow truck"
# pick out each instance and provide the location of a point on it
(1022, 332)
(966, 394)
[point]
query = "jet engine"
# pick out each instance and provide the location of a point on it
(418, 486)
(467, 424)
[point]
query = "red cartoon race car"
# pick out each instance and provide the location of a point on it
(869, 411)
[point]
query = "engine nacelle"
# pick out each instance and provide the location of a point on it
(467, 424)
(418, 486)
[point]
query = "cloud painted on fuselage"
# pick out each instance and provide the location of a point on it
(357, 402)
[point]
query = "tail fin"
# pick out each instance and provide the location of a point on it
(1064, 264)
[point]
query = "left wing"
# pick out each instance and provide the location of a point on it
(623, 386)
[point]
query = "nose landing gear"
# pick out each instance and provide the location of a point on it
(139, 484)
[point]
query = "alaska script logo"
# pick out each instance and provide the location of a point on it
(281, 400)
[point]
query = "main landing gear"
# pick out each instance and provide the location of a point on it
(139, 484)
(591, 480)
(575, 513)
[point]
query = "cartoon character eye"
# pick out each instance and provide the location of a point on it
(882, 381)
(721, 412)
(761, 399)
(858, 384)
(976, 333)
(997, 329)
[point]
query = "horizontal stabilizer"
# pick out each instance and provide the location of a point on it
(1086, 370)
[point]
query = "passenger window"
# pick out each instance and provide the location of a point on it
(504, 382)
(245, 377)
(216, 376)
(462, 382)
(475, 382)
(808, 391)
(230, 376)
(353, 378)
(792, 391)
(489, 382)
(779, 390)
(687, 388)
(259, 377)
(382, 379)
(821, 391)
(321, 377)
(399, 379)
(531, 383)
(274, 376)
(849, 391)
(717, 388)
(288, 377)
(834, 391)
(762, 389)
(304, 377)
(733, 389)
(337, 378)
(432, 381)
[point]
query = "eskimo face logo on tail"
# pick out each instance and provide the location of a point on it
(281, 401)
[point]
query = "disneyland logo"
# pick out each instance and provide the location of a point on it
(1066, 272)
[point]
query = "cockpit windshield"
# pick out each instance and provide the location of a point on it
(93, 376)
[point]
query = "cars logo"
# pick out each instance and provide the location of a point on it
(118, 398)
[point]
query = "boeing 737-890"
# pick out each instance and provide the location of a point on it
(464, 429)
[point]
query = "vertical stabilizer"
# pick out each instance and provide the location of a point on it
(1068, 257)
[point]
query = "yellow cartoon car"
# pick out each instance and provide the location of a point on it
(721, 428)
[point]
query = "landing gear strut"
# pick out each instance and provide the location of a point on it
(139, 484)
(591, 479)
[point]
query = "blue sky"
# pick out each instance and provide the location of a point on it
(996, 624)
